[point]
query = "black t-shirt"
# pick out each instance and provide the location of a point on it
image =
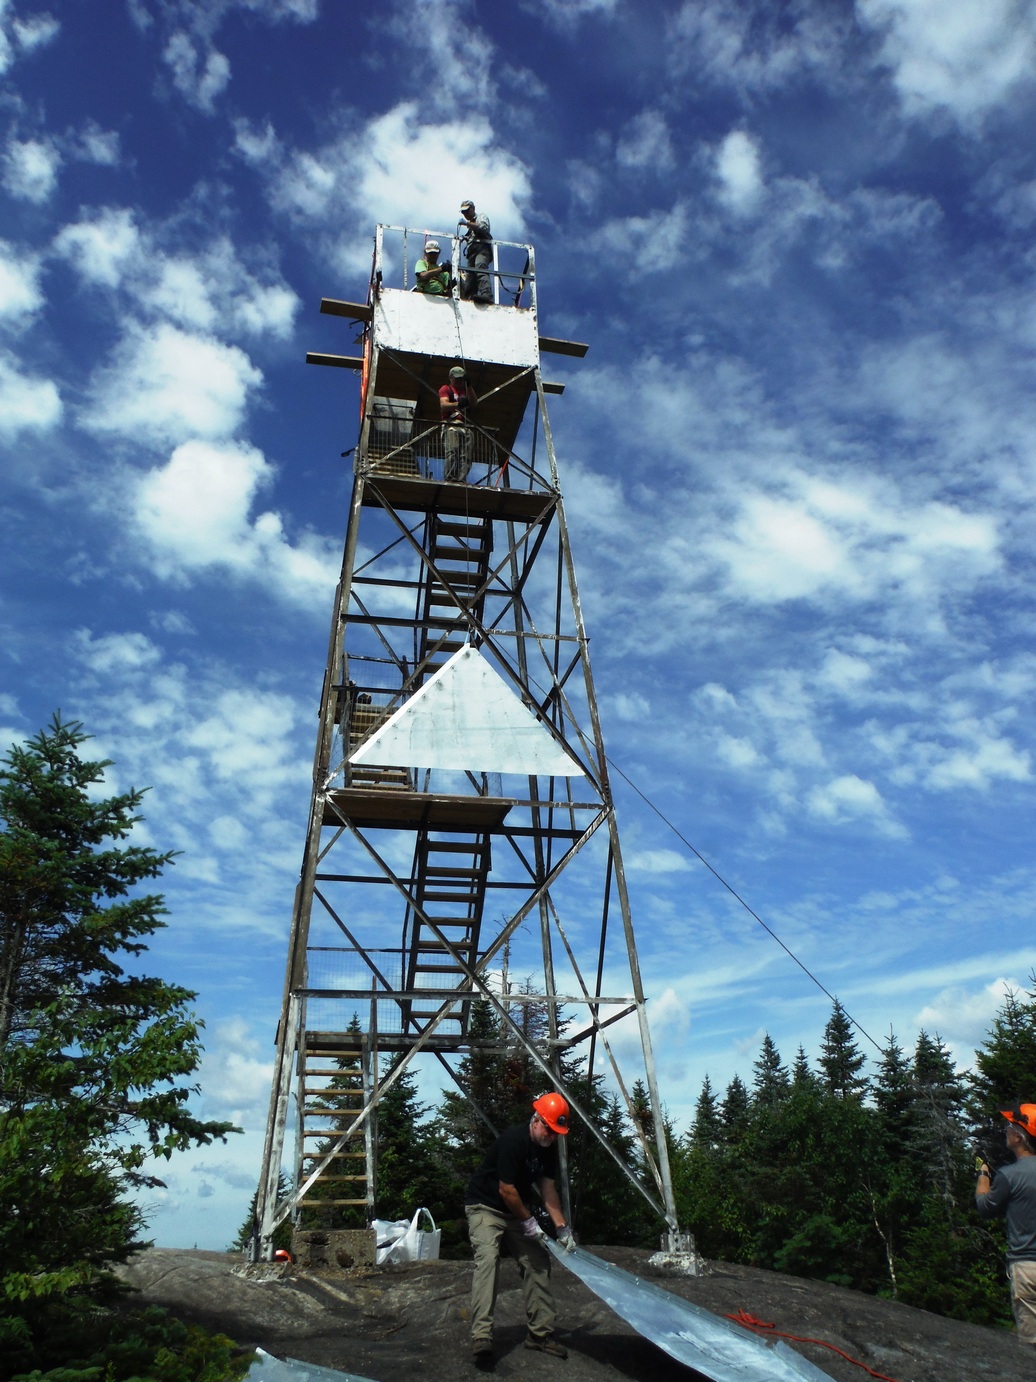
(517, 1160)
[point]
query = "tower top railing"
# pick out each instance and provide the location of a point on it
(510, 273)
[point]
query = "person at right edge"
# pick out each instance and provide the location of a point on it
(1011, 1191)
(499, 1210)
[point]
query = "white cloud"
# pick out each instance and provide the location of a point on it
(19, 284)
(657, 861)
(853, 541)
(102, 247)
(94, 145)
(198, 76)
(195, 514)
(955, 55)
(27, 403)
(739, 172)
(35, 31)
(408, 167)
(645, 143)
(752, 46)
(235, 1074)
(851, 800)
(211, 291)
(31, 169)
(165, 385)
(116, 653)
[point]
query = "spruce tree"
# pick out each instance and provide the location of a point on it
(841, 1060)
(771, 1082)
(96, 1057)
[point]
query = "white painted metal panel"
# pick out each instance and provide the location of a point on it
(424, 325)
(466, 717)
(721, 1350)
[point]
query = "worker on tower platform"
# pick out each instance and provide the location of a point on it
(1011, 1191)
(432, 277)
(478, 251)
(499, 1209)
(456, 402)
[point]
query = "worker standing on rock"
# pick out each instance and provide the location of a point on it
(1011, 1191)
(498, 1205)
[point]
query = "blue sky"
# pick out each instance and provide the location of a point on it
(798, 464)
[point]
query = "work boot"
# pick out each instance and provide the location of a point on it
(482, 1354)
(546, 1345)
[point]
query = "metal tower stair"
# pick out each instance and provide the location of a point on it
(334, 1085)
(459, 547)
(450, 889)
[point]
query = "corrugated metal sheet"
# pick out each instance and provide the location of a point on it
(717, 1348)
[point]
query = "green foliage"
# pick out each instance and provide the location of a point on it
(868, 1184)
(95, 1057)
(143, 1346)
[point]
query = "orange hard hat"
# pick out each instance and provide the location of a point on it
(282, 1255)
(553, 1109)
(1022, 1114)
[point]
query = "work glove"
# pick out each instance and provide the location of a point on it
(566, 1238)
(531, 1228)
(448, 265)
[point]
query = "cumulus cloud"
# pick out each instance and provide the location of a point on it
(754, 47)
(851, 800)
(164, 384)
(31, 169)
(209, 291)
(27, 403)
(645, 143)
(199, 75)
(954, 55)
(101, 246)
(657, 861)
(20, 294)
(852, 540)
(91, 144)
(406, 165)
(195, 513)
(739, 172)
(35, 31)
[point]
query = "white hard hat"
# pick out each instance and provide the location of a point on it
(431, 245)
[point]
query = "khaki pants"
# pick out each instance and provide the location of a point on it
(1023, 1299)
(492, 1234)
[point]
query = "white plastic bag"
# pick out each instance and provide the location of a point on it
(403, 1241)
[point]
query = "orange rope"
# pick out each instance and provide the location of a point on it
(750, 1322)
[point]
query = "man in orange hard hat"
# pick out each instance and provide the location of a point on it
(499, 1210)
(1011, 1191)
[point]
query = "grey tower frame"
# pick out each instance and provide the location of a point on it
(425, 884)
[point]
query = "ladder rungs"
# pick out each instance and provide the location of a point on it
(318, 1204)
(352, 1156)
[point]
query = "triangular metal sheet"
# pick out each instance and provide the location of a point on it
(466, 717)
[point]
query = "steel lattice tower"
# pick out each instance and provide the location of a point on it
(461, 821)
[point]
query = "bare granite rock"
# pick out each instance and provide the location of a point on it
(408, 1323)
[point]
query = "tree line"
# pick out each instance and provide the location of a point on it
(827, 1170)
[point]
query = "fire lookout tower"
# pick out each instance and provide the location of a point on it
(461, 825)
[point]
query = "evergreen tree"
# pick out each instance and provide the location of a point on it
(96, 1058)
(707, 1128)
(772, 1082)
(802, 1076)
(734, 1111)
(411, 1171)
(841, 1060)
(1005, 1072)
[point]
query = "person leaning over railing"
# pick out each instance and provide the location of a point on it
(432, 277)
